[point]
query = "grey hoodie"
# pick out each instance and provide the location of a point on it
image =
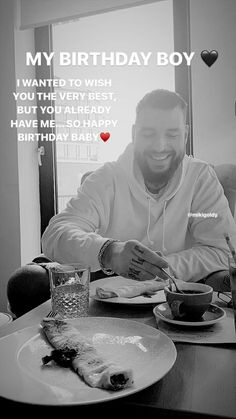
(186, 222)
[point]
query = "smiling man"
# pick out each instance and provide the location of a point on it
(135, 216)
(159, 138)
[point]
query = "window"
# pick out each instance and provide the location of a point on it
(144, 28)
(148, 27)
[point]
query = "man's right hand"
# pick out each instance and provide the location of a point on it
(132, 259)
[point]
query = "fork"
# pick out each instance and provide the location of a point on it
(50, 314)
(173, 281)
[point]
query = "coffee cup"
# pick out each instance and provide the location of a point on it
(192, 304)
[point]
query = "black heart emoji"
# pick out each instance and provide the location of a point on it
(209, 57)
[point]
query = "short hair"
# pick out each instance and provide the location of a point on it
(162, 99)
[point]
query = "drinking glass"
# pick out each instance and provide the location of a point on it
(69, 286)
(232, 275)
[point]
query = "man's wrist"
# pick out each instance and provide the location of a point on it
(104, 257)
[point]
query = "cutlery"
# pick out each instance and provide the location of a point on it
(173, 281)
(231, 248)
(50, 314)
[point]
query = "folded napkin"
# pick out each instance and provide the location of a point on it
(130, 291)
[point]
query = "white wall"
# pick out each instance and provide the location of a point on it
(213, 26)
(27, 159)
(9, 191)
(19, 208)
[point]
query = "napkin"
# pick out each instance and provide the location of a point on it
(130, 291)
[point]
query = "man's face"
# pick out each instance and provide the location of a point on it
(159, 138)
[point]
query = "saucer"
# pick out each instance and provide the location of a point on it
(211, 316)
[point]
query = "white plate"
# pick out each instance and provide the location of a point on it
(213, 315)
(119, 281)
(149, 352)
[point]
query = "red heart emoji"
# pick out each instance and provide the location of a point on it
(105, 136)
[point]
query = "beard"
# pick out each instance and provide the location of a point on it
(159, 178)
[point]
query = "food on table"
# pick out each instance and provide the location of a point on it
(74, 350)
(130, 291)
(62, 358)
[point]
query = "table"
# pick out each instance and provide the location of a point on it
(202, 382)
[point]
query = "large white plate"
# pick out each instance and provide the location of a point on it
(119, 281)
(149, 352)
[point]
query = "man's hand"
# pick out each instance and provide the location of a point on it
(132, 259)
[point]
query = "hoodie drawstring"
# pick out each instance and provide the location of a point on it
(149, 222)
(163, 230)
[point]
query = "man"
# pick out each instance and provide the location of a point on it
(140, 214)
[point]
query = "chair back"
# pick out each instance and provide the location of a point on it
(226, 174)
